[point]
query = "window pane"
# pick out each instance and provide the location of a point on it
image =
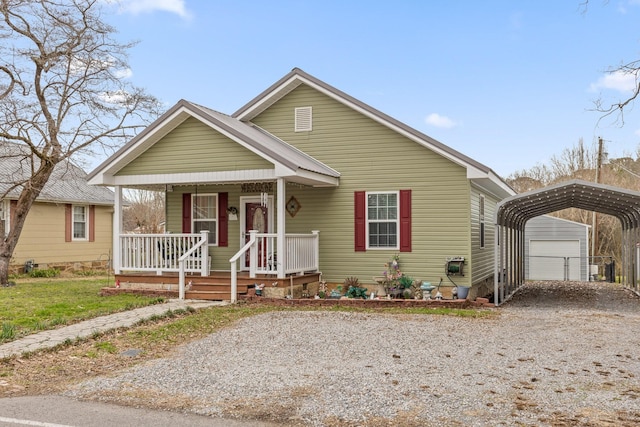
(198, 226)
(79, 230)
(79, 222)
(205, 215)
(204, 207)
(373, 213)
(393, 213)
(382, 215)
(78, 213)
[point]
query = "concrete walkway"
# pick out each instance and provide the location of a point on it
(54, 337)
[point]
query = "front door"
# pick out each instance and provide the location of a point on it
(256, 217)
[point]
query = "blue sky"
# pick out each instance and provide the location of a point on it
(508, 83)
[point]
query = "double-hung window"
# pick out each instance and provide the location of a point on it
(80, 223)
(383, 220)
(205, 215)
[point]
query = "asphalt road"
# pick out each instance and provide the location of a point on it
(58, 411)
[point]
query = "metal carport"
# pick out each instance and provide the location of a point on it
(513, 212)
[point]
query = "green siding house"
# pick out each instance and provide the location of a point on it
(326, 183)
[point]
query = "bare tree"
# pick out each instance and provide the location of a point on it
(579, 162)
(63, 93)
(631, 70)
(573, 162)
(145, 212)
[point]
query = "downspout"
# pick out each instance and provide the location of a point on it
(117, 228)
(496, 264)
(280, 244)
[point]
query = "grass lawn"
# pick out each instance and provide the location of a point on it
(45, 303)
(39, 304)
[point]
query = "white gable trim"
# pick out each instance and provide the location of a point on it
(192, 177)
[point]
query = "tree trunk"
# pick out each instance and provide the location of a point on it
(4, 270)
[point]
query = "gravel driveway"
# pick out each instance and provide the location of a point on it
(557, 354)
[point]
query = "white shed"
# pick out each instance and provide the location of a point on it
(556, 249)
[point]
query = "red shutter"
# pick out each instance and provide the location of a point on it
(186, 212)
(68, 214)
(92, 223)
(360, 221)
(405, 220)
(223, 219)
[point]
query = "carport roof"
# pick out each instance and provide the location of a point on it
(623, 204)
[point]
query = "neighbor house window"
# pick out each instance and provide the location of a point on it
(205, 215)
(3, 217)
(80, 223)
(382, 220)
(481, 219)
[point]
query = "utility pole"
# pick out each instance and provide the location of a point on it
(594, 225)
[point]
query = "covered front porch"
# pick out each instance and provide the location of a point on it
(182, 262)
(223, 176)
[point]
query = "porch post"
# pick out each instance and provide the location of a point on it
(117, 228)
(282, 254)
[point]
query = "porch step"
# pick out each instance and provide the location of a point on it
(208, 295)
(216, 287)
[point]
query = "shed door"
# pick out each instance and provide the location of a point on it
(547, 259)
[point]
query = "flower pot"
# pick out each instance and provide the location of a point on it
(463, 292)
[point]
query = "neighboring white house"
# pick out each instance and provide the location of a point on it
(556, 249)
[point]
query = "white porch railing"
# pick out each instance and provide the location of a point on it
(162, 252)
(302, 254)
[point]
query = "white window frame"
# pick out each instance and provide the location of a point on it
(213, 236)
(4, 215)
(303, 119)
(396, 221)
(84, 223)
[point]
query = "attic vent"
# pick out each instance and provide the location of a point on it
(303, 119)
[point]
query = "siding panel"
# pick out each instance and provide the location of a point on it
(194, 147)
(43, 237)
(371, 157)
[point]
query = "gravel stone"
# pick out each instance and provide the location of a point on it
(557, 353)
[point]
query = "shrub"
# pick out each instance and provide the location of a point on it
(45, 272)
(351, 282)
(356, 292)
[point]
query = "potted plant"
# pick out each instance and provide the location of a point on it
(405, 281)
(354, 290)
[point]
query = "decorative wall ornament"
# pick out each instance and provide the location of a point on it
(293, 206)
(257, 187)
(232, 212)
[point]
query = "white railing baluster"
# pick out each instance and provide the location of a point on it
(161, 253)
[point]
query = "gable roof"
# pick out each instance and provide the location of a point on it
(476, 171)
(68, 182)
(288, 160)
